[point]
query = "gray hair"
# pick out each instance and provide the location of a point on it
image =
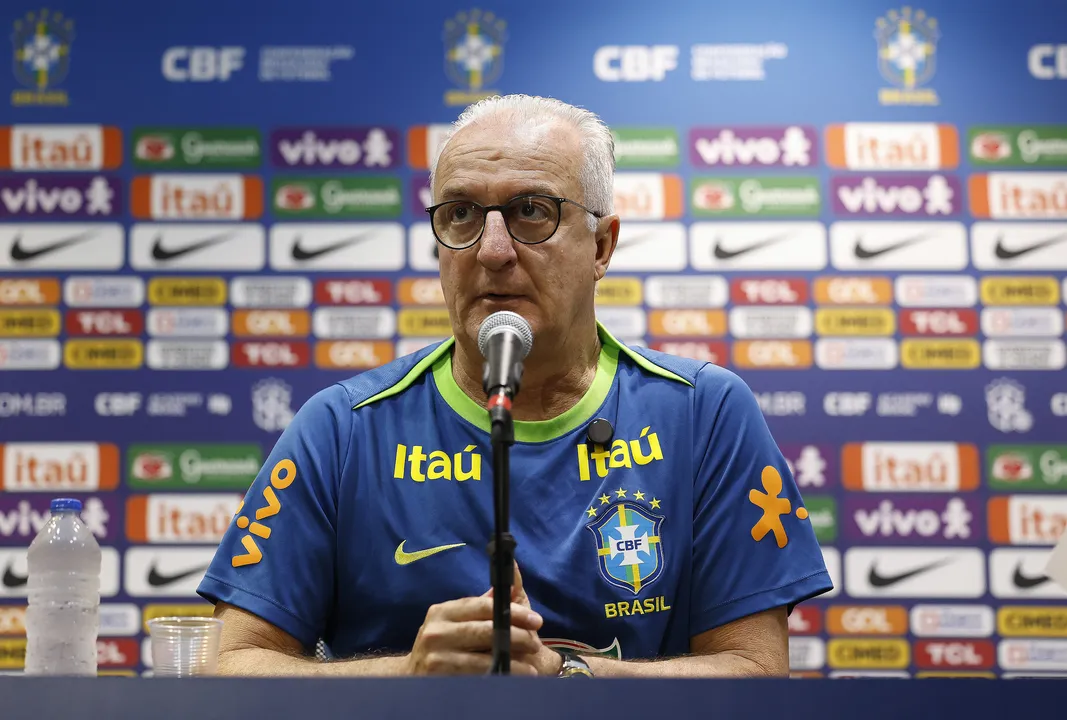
(597, 173)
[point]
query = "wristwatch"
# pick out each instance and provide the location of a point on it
(574, 665)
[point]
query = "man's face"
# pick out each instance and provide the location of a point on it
(550, 283)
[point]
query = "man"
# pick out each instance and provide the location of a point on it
(678, 546)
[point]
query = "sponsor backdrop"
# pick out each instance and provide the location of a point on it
(861, 209)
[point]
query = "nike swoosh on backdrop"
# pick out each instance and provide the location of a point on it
(1025, 582)
(20, 254)
(864, 254)
(1005, 254)
(881, 581)
(723, 254)
(161, 253)
(12, 580)
(300, 253)
(158, 579)
(406, 558)
(635, 241)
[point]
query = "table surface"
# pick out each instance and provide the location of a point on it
(524, 698)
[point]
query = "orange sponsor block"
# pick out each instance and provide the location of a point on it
(853, 291)
(47, 467)
(192, 200)
(867, 620)
(910, 466)
(893, 153)
(34, 152)
(687, 323)
(29, 291)
(1026, 519)
(271, 323)
(772, 354)
(420, 291)
(353, 354)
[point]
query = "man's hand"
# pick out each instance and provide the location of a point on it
(457, 639)
(547, 661)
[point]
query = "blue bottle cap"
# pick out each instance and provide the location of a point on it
(60, 504)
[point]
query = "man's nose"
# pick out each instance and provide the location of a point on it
(496, 248)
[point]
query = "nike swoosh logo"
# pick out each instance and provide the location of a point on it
(1025, 582)
(12, 580)
(1005, 254)
(158, 579)
(300, 253)
(161, 253)
(881, 581)
(723, 254)
(635, 241)
(864, 254)
(406, 558)
(20, 254)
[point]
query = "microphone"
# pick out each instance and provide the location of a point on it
(504, 339)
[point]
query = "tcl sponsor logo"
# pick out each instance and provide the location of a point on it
(939, 654)
(940, 291)
(939, 322)
(772, 354)
(1029, 195)
(648, 196)
(49, 467)
(910, 466)
(867, 620)
(247, 354)
(184, 518)
(117, 652)
(952, 621)
(12, 620)
(271, 323)
(1027, 519)
(104, 322)
(360, 292)
(712, 352)
(197, 197)
(909, 519)
(1029, 621)
(857, 653)
(353, 354)
(769, 291)
(892, 146)
(805, 621)
(29, 292)
(853, 291)
(60, 147)
(687, 323)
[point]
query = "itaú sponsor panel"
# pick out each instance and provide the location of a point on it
(909, 466)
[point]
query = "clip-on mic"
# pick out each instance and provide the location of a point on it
(504, 340)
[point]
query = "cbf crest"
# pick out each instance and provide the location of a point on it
(907, 56)
(474, 55)
(629, 545)
(41, 44)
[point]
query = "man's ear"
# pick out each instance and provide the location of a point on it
(607, 237)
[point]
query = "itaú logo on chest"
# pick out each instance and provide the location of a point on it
(621, 454)
(437, 465)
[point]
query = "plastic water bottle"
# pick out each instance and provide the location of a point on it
(63, 612)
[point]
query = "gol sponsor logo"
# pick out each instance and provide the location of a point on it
(125, 354)
(909, 466)
(151, 612)
(271, 323)
(916, 354)
(1020, 291)
(421, 291)
(712, 352)
(619, 291)
(48, 467)
(353, 354)
(853, 291)
(13, 620)
(1027, 519)
(894, 654)
(428, 322)
(356, 292)
(187, 291)
(1016, 621)
(867, 620)
(772, 354)
(29, 323)
(44, 291)
(855, 321)
(687, 323)
(973, 654)
(12, 653)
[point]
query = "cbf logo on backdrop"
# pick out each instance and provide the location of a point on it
(474, 55)
(41, 43)
(907, 55)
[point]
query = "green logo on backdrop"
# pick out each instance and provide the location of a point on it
(1018, 145)
(747, 196)
(336, 197)
(181, 466)
(645, 147)
(170, 147)
(822, 513)
(1027, 467)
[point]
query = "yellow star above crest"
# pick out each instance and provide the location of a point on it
(604, 499)
(620, 493)
(655, 504)
(591, 512)
(639, 495)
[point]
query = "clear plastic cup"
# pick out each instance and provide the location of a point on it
(184, 646)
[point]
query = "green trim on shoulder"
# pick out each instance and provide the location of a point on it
(413, 374)
(640, 360)
(532, 431)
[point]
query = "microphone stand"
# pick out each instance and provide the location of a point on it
(502, 546)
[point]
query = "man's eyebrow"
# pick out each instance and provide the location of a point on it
(463, 192)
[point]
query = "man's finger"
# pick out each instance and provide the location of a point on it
(455, 662)
(478, 636)
(481, 608)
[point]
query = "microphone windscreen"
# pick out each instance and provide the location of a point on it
(505, 321)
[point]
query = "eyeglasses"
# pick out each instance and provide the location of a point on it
(530, 219)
